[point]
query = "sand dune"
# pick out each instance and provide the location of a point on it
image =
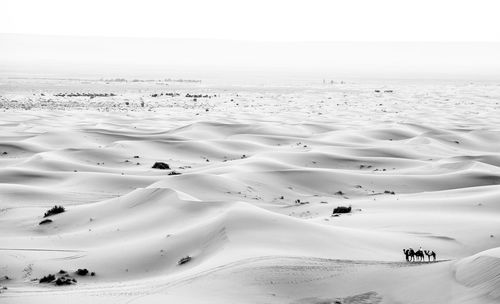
(260, 174)
(480, 272)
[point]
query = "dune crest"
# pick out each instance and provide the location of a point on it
(277, 194)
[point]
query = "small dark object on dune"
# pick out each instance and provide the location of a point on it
(184, 260)
(47, 279)
(62, 271)
(55, 210)
(92, 274)
(161, 166)
(46, 221)
(65, 281)
(136, 156)
(174, 173)
(339, 193)
(5, 153)
(342, 209)
(389, 192)
(82, 272)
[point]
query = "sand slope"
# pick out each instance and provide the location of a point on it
(234, 206)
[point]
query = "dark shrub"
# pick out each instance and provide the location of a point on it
(62, 271)
(65, 281)
(45, 221)
(162, 166)
(342, 209)
(339, 193)
(47, 279)
(55, 210)
(92, 274)
(174, 173)
(184, 260)
(389, 192)
(82, 272)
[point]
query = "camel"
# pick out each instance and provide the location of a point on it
(430, 253)
(409, 254)
(419, 255)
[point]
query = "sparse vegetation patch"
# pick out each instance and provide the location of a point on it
(161, 166)
(342, 209)
(54, 210)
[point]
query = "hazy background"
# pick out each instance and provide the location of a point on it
(251, 40)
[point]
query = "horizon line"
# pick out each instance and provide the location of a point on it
(245, 40)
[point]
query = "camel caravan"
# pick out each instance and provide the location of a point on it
(418, 256)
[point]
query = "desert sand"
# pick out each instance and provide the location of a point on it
(261, 170)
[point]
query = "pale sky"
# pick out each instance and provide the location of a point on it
(261, 20)
(402, 38)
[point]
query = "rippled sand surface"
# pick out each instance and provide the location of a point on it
(260, 170)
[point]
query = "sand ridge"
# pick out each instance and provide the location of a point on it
(252, 204)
